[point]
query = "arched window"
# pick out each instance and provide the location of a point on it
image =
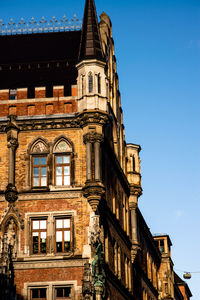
(62, 163)
(39, 172)
(90, 83)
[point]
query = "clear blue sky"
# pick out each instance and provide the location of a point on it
(158, 53)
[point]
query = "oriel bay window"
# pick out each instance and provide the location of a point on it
(39, 236)
(63, 234)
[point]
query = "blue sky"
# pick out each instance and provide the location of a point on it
(158, 54)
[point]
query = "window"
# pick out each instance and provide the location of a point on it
(39, 236)
(40, 171)
(63, 234)
(62, 169)
(62, 292)
(12, 94)
(39, 164)
(99, 83)
(90, 83)
(62, 163)
(38, 293)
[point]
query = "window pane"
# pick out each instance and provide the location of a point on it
(43, 160)
(59, 292)
(67, 292)
(43, 247)
(59, 223)
(35, 248)
(35, 224)
(43, 224)
(66, 246)
(36, 181)
(66, 180)
(43, 171)
(59, 247)
(58, 180)
(43, 181)
(35, 293)
(36, 172)
(43, 236)
(35, 233)
(67, 223)
(58, 170)
(59, 236)
(66, 159)
(42, 293)
(67, 236)
(59, 159)
(36, 160)
(66, 171)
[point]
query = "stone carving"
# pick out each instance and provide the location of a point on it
(87, 288)
(11, 193)
(93, 191)
(98, 272)
(94, 231)
(10, 237)
(92, 137)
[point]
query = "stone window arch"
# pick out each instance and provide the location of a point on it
(37, 163)
(63, 162)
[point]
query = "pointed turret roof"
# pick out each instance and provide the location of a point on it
(90, 46)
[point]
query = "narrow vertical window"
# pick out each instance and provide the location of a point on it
(90, 83)
(99, 83)
(133, 163)
(82, 84)
(40, 171)
(39, 236)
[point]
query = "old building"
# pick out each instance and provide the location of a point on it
(69, 184)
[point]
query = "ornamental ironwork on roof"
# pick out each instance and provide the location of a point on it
(41, 26)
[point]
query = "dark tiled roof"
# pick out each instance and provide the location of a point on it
(90, 39)
(39, 59)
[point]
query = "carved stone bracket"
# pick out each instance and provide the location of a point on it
(93, 117)
(135, 190)
(92, 137)
(134, 250)
(93, 191)
(11, 193)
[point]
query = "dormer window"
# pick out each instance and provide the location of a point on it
(90, 83)
(12, 94)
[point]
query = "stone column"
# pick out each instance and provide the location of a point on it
(89, 160)
(12, 138)
(12, 146)
(97, 166)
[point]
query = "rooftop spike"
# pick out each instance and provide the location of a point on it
(90, 46)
